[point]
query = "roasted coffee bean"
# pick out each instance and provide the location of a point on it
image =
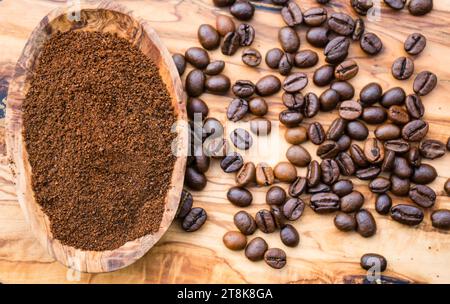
(246, 175)
(346, 70)
(260, 126)
(246, 34)
(344, 142)
(306, 59)
(237, 109)
(275, 196)
(286, 63)
(292, 14)
(374, 151)
(244, 222)
(316, 133)
(311, 105)
(357, 130)
(380, 185)
(298, 156)
(328, 149)
(344, 89)
(402, 168)
(342, 187)
(414, 106)
(198, 57)
(407, 214)
(424, 83)
(212, 128)
(243, 88)
(230, 43)
(345, 222)
(264, 174)
(318, 36)
(422, 195)
(256, 249)
(352, 202)
(275, 258)
(242, 10)
(258, 106)
(223, 3)
(298, 186)
(241, 139)
(370, 43)
(265, 221)
(441, 219)
(180, 63)
(194, 179)
(289, 236)
(397, 145)
(319, 188)
(398, 115)
(273, 58)
(413, 157)
(218, 84)
(315, 16)
(268, 85)
(341, 23)
(201, 163)
(280, 2)
(185, 206)
(215, 67)
(324, 202)
(370, 260)
(234, 240)
(387, 132)
(399, 186)
(208, 37)
(293, 209)
(329, 100)
(370, 94)
(194, 220)
(196, 106)
(330, 171)
(383, 204)
(289, 40)
(374, 115)
(293, 101)
(394, 96)
(415, 43)
(290, 118)
(357, 155)
(295, 82)
(195, 83)
(251, 57)
(415, 130)
(389, 160)
(402, 68)
(323, 75)
(232, 162)
(285, 172)
(365, 223)
(420, 7)
(432, 148)
(313, 173)
(448, 144)
(277, 213)
(368, 173)
(350, 110)
(224, 24)
(336, 50)
(424, 174)
(362, 6)
(395, 4)
(336, 129)
(296, 136)
(239, 196)
(346, 164)
(360, 27)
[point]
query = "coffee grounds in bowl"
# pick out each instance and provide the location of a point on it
(97, 122)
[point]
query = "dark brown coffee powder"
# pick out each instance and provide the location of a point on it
(97, 124)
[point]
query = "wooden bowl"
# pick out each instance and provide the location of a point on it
(104, 17)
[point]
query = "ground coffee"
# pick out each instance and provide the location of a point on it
(97, 124)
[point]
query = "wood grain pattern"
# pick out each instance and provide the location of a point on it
(324, 255)
(104, 17)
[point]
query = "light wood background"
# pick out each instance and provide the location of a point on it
(324, 255)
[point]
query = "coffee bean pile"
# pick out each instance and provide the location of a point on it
(390, 160)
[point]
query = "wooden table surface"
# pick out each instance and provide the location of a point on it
(325, 255)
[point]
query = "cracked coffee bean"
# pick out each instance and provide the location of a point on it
(374, 151)
(230, 43)
(316, 133)
(361, 6)
(346, 70)
(246, 34)
(380, 185)
(346, 164)
(286, 63)
(298, 186)
(328, 149)
(313, 173)
(293, 101)
(432, 148)
(415, 130)
(414, 106)
(251, 57)
(311, 105)
(336, 129)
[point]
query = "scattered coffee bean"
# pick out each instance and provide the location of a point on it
(420, 7)
(316, 133)
(318, 36)
(344, 89)
(370, 43)
(243, 88)
(251, 57)
(275, 196)
(223, 3)
(224, 25)
(194, 179)
(234, 240)
(194, 220)
(432, 148)
(352, 202)
(208, 37)
(329, 100)
(217, 84)
(360, 27)
(195, 83)
(293, 101)
(289, 39)
(407, 214)
(293, 209)
(296, 136)
(185, 206)
(328, 149)
(383, 204)
(264, 174)
(298, 186)
(215, 67)
(306, 59)
(230, 43)
(241, 139)
(273, 58)
(370, 94)
(374, 115)
(311, 105)
(370, 260)
(413, 157)
(198, 57)
(350, 110)
(415, 130)
(180, 63)
(402, 168)
(268, 85)
(380, 185)
(200, 162)
(212, 127)
(244, 222)
(415, 43)
(357, 155)
(424, 174)
(277, 213)
(290, 118)
(313, 173)
(399, 186)
(242, 10)
(275, 258)
(323, 75)
(336, 129)
(414, 106)
(357, 130)
(237, 109)
(424, 83)
(265, 221)
(298, 156)
(258, 106)
(295, 82)
(336, 50)
(324, 202)
(341, 23)
(342, 187)
(196, 106)
(232, 162)
(368, 173)
(246, 34)
(286, 63)
(289, 236)
(260, 126)
(441, 219)
(319, 188)
(292, 14)
(448, 144)
(239, 196)
(330, 171)
(346, 165)
(398, 115)
(345, 222)
(389, 161)
(422, 195)
(346, 70)
(402, 68)
(285, 172)
(393, 96)
(315, 16)
(344, 142)
(374, 151)
(387, 132)
(361, 6)
(395, 4)
(365, 223)
(256, 249)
